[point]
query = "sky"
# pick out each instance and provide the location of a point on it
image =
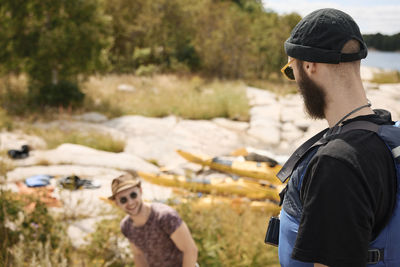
(381, 16)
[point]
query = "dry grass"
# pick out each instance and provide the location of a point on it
(386, 77)
(189, 97)
(279, 87)
(55, 137)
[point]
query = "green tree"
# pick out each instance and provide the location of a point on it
(53, 42)
(383, 42)
(222, 39)
(151, 32)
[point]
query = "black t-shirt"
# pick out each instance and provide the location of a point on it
(348, 196)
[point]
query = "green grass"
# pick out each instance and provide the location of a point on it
(386, 77)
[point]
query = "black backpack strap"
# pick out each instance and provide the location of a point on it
(290, 164)
(360, 125)
(321, 138)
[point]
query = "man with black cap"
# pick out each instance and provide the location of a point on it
(157, 234)
(341, 196)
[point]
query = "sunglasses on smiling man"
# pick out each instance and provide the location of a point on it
(132, 195)
(287, 70)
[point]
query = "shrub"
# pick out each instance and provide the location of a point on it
(105, 245)
(146, 70)
(24, 234)
(64, 94)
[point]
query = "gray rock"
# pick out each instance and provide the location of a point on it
(265, 113)
(126, 88)
(158, 139)
(259, 97)
(92, 117)
(231, 125)
(268, 132)
(290, 132)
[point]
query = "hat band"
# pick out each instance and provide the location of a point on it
(312, 54)
(124, 186)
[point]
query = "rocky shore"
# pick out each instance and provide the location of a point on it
(277, 125)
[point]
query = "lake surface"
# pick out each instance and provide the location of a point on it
(385, 60)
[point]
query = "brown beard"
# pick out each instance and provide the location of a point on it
(313, 94)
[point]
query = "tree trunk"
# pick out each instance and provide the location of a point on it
(54, 76)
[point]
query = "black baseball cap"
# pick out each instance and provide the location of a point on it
(321, 35)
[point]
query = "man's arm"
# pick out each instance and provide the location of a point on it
(319, 265)
(138, 256)
(185, 243)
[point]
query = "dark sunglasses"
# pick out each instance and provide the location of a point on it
(287, 70)
(132, 195)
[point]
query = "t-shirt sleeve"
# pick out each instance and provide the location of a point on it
(124, 226)
(170, 220)
(337, 218)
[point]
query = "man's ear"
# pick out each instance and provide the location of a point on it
(309, 67)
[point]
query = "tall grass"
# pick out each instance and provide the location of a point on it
(229, 236)
(189, 97)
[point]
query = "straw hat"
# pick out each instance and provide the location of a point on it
(122, 183)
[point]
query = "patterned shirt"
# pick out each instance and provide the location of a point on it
(153, 238)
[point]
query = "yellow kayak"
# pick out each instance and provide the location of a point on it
(223, 186)
(252, 169)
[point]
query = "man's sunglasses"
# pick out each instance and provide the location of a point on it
(287, 70)
(132, 195)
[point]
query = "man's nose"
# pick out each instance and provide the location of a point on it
(130, 200)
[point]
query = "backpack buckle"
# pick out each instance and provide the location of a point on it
(374, 256)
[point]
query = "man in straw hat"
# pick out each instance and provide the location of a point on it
(157, 234)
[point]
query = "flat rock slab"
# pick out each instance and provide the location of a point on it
(14, 140)
(80, 155)
(158, 139)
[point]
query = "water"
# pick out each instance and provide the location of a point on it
(385, 60)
